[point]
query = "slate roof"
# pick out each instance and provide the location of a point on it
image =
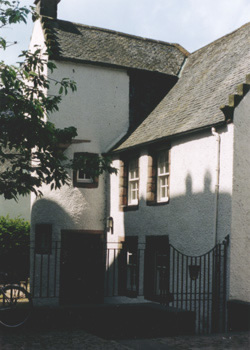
(208, 77)
(77, 42)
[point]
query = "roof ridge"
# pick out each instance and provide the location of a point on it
(136, 37)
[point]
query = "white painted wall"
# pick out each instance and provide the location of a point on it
(189, 217)
(100, 112)
(240, 238)
(37, 38)
(100, 106)
(99, 109)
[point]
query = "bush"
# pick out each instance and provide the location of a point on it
(14, 248)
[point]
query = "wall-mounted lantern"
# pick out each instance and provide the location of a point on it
(110, 224)
(194, 271)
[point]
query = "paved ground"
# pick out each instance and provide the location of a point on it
(69, 328)
(80, 339)
(213, 342)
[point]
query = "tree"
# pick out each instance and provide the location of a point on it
(30, 152)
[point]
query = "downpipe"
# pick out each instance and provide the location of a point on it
(217, 185)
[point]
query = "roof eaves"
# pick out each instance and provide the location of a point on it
(51, 41)
(57, 57)
(168, 138)
(228, 111)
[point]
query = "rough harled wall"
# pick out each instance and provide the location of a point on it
(240, 239)
(189, 217)
(99, 109)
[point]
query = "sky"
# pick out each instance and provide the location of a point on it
(190, 23)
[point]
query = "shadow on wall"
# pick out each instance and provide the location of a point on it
(189, 220)
(46, 211)
(45, 259)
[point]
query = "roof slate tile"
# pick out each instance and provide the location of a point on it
(72, 41)
(208, 77)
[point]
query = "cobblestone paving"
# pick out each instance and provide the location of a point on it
(231, 341)
(79, 339)
(55, 340)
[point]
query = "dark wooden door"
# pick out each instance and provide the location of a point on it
(156, 272)
(81, 274)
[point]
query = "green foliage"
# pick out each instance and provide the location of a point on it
(29, 143)
(13, 230)
(14, 247)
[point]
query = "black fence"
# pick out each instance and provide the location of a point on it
(14, 261)
(171, 278)
(158, 273)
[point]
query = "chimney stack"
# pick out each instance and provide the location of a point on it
(47, 7)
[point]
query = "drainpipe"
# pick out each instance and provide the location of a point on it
(217, 185)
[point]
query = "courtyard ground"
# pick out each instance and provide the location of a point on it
(67, 329)
(81, 340)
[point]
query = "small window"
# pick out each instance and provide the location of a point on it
(43, 239)
(81, 178)
(133, 182)
(162, 176)
(158, 177)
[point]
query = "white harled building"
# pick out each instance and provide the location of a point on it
(174, 221)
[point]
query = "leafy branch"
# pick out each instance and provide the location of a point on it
(30, 155)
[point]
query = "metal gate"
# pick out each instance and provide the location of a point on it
(199, 284)
(156, 272)
(165, 275)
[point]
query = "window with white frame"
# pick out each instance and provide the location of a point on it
(133, 182)
(163, 176)
(82, 178)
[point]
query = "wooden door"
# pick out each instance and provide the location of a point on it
(81, 274)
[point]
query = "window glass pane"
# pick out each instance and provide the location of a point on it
(162, 176)
(163, 162)
(81, 174)
(161, 169)
(133, 169)
(133, 182)
(163, 192)
(163, 181)
(84, 177)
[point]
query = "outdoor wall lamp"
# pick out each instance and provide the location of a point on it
(194, 271)
(110, 224)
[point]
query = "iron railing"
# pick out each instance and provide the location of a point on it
(166, 276)
(193, 283)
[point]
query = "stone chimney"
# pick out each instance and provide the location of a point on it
(47, 7)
